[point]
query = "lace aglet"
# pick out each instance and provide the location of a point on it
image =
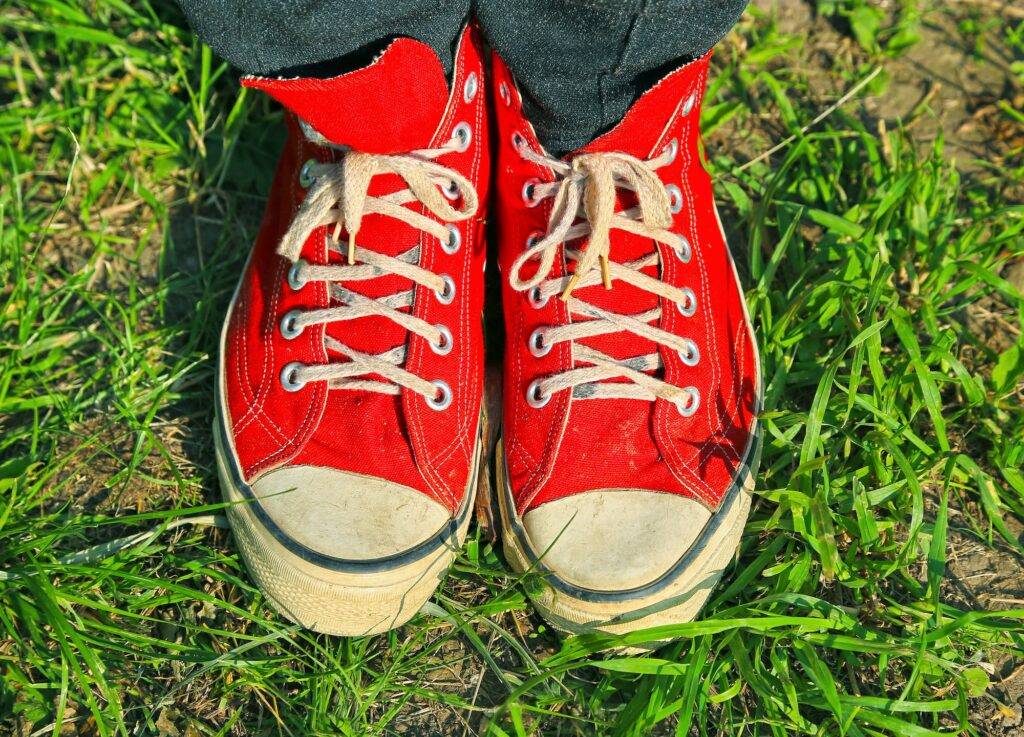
(569, 287)
(351, 248)
(605, 273)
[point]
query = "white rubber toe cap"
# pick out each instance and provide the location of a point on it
(347, 515)
(614, 539)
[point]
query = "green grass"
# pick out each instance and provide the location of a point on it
(131, 181)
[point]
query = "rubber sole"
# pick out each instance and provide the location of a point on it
(676, 597)
(336, 597)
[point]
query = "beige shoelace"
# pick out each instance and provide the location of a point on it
(584, 205)
(339, 197)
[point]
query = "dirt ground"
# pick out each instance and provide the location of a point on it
(946, 82)
(980, 577)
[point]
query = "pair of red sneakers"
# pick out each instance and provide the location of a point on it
(350, 384)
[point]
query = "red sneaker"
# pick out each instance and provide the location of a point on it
(632, 381)
(351, 364)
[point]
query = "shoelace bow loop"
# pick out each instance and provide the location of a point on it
(588, 187)
(340, 197)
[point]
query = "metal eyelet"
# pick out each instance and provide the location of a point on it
(447, 341)
(289, 330)
(672, 149)
(685, 251)
(534, 298)
(295, 281)
(454, 242)
(538, 347)
(675, 198)
(534, 398)
(689, 304)
(290, 376)
(530, 192)
(451, 190)
(464, 135)
(503, 92)
(518, 141)
(690, 355)
(691, 407)
(306, 177)
(470, 88)
(688, 105)
(447, 293)
(443, 400)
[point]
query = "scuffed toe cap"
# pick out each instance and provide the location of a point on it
(346, 515)
(614, 539)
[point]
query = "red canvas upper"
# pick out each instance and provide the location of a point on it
(573, 445)
(398, 104)
(389, 107)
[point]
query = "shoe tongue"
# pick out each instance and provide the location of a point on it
(392, 106)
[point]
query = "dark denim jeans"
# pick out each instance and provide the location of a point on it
(580, 63)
